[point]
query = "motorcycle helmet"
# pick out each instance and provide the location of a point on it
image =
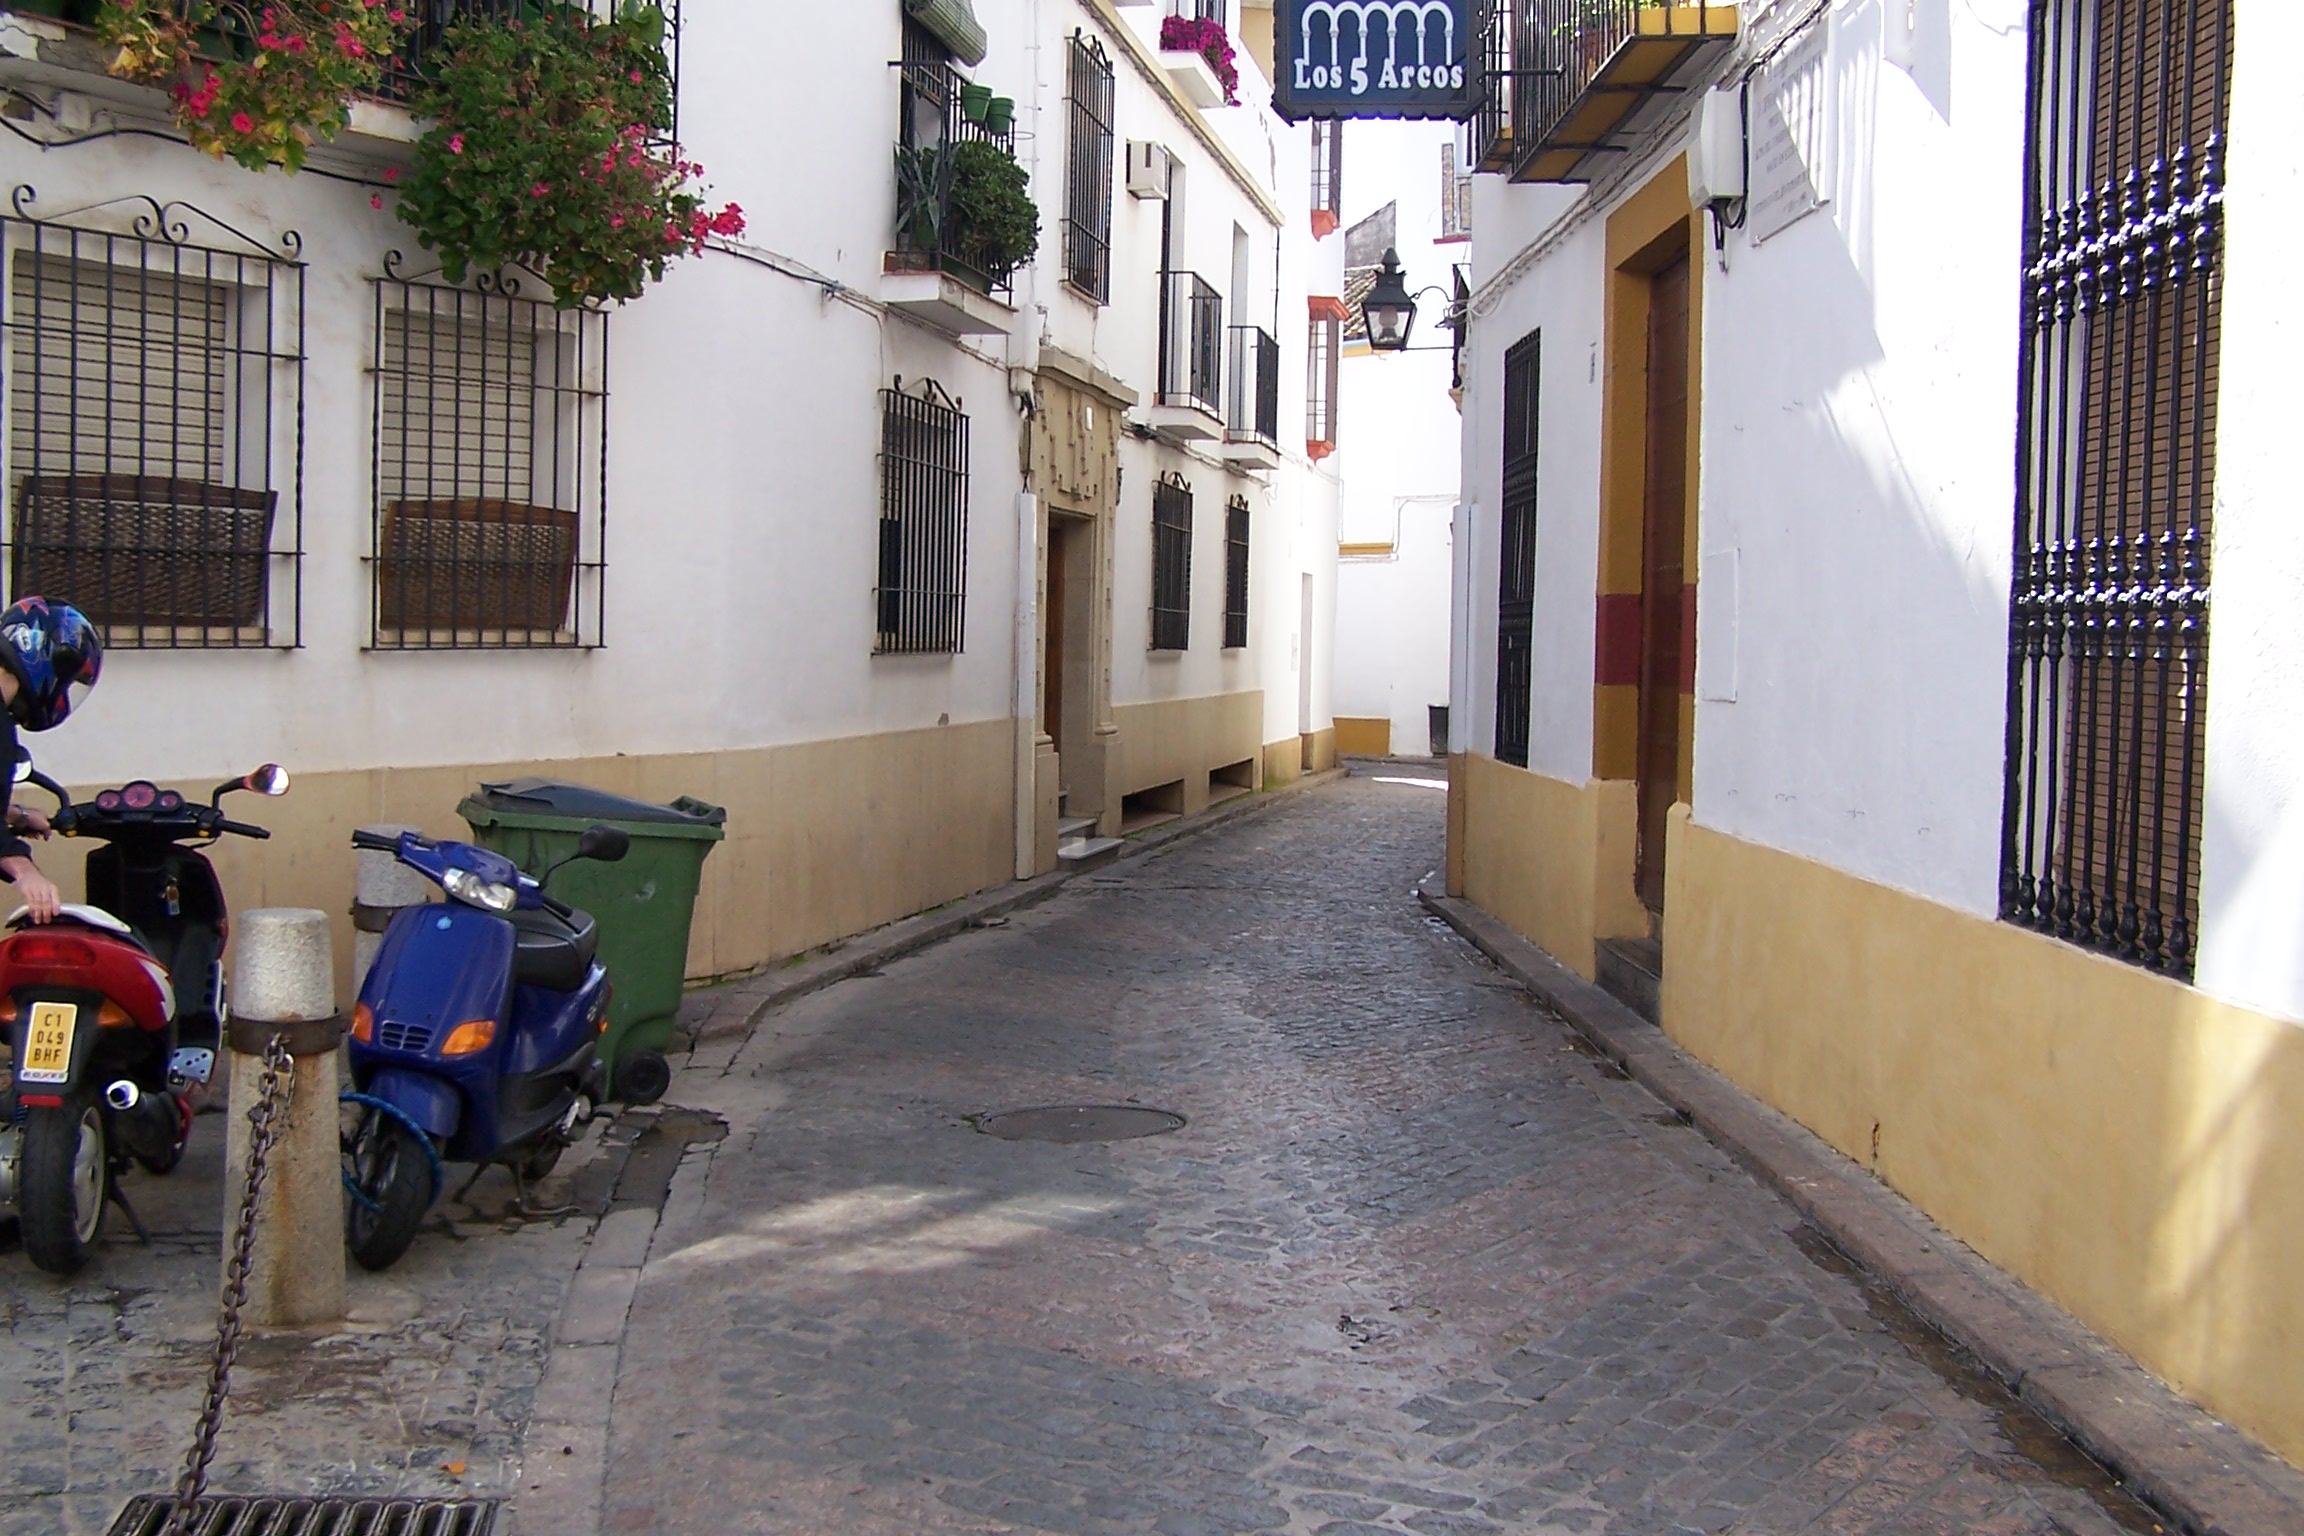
(54, 653)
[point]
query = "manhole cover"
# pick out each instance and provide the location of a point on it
(224, 1515)
(1079, 1122)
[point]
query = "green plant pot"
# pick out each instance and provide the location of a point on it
(1000, 116)
(975, 101)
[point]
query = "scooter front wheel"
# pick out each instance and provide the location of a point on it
(65, 1168)
(388, 1188)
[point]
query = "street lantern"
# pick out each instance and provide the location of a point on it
(1388, 310)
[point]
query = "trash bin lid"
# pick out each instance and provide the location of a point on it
(523, 798)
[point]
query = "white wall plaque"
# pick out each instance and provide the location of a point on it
(1791, 134)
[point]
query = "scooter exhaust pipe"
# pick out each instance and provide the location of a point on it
(148, 1122)
(123, 1096)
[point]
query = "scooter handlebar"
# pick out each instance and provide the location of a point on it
(242, 829)
(375, 842)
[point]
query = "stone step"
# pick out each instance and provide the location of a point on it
(1632, 972)
(1069, 827)
(1081, 850)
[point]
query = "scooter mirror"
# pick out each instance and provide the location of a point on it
(271, 779)
(603, 843)
(21, 771)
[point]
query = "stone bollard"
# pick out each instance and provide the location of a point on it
(383, 886)
(283, 983)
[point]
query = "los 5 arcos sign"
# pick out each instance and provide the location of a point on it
(1376, 58)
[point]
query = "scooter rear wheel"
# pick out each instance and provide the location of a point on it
(166, 1162)
(391, 1181)
(64, 1170)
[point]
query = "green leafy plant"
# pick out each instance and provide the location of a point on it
(923, 189)
(996, 222)
(293, 69)
(547, 152)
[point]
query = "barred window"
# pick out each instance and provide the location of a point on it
(2108, 647)
(1236, 573)
(491, 460)
(1088, 178)
(1327, 174)
(1171, 563)
(1516, 561)
(922, 597)
(1324, 347)
(155, 407)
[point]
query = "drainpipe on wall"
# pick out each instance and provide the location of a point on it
(1023, 367)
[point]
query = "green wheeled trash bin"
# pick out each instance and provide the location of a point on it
(643, 904)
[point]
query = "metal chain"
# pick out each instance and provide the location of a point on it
(263, 1125)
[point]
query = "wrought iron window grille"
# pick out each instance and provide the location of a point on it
(1191, 342)
(1088, 171)
(1327, 174)
(1252, 387)
(1200, 10)
(155, 396)
(1171, 563)
(1324, 351)
(1516, 558)
(407, 75)
(931, 115)
(922, 596)
(2108, 625)
(490, 452)
(1236, 522)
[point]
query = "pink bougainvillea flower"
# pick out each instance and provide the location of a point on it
(617, 222)
(541, 189)
(637, 77)
(455, 143)
(391, 173)
(243, 123)
(375, 199)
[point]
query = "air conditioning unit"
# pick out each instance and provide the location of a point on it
(1148, 167)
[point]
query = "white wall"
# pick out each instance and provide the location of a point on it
(1392, 625)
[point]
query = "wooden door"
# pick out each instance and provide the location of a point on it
(1052, 634)
(1664, 522)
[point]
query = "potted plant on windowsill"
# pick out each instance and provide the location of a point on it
(1208, 39)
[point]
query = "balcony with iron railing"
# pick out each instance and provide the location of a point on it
(937, 268)
(1580, 73)
(1190, 399)
(1252, 398)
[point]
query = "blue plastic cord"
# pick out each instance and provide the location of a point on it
(423, 1139)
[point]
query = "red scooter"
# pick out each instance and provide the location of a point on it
(114, 1011)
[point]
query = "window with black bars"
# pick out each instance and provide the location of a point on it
(1516, 552)
(1171, 563)
(1088, 173)
(1323, 352)
(155, 385)
(922, 597)
(1328, 171)
(2108, 646)
(1236, 573)
(491, 469)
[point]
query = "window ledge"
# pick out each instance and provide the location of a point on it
(1194, 78)
(942, 301)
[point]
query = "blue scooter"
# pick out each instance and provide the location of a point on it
(475, 1037)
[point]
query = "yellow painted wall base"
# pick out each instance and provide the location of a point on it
(1319, 749)
(2123, 1143)
(1283, 761)
(825, 838)
(1363, 738)
(1183, 739)
(1552, 859)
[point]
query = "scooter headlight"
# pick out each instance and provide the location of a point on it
(469, 888)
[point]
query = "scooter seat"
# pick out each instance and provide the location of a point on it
(554, 953)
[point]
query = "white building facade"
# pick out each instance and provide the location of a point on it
(858, 548)
(1846, 475)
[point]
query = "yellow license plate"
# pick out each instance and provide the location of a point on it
(48, 1043)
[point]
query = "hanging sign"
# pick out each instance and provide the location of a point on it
(1376, 58)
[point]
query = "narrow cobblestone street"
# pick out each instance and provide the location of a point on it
(1416, 1263)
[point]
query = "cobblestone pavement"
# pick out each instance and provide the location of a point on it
(424, 1392)
(1416, 1263)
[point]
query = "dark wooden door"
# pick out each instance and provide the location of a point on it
(1663, 570)
(1052, 636)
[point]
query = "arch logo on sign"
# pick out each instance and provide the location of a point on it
(1376, 58)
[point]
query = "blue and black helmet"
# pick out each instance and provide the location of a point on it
(55, 655)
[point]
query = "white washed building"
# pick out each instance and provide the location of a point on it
(1834, 632)
(686, 567)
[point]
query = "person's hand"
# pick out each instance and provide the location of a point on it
(41, 898)
(29, 823)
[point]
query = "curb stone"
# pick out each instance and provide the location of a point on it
(747, 1001)
(2206, 1476)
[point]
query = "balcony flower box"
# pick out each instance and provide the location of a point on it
(1200, 61)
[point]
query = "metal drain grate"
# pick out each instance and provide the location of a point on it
(1079, 1122)
(224, 1515)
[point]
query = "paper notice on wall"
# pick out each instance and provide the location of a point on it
(1791, 135)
